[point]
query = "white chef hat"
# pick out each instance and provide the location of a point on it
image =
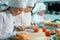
(3, 7)
(39, 7)
(3, 4)
(31, 2)
(17, 3)
(4, 1)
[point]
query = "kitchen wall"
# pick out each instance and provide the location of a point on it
(49, 0)
(51, 14)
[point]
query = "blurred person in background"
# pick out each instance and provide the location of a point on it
(39, 11)
(26, 14)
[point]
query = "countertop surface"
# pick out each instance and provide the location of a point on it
(36, 36)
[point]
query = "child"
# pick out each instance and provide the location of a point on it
(26, 14)
(39, 11)
(6, 19)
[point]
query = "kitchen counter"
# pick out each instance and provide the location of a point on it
(53, 24)
(34, 36)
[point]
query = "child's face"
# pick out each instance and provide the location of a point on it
(16, 11)
(28, 9)
(42, 13)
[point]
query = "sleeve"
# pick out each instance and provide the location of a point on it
(34, 18)
(1, 23)
(4, 35)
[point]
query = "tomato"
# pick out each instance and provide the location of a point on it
(23, 36)
(36, 30)
(48, 33)
(57, 31)
(44, 29)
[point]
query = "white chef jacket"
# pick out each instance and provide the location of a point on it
(37, 18)
(17, 20)
(6, 25)
(26, 19)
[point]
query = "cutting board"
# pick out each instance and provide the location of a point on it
(34, 36)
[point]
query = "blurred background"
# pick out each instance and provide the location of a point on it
(53, 9)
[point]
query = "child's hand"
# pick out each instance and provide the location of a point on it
(35, 26)
(20, 28)
(34, 23)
